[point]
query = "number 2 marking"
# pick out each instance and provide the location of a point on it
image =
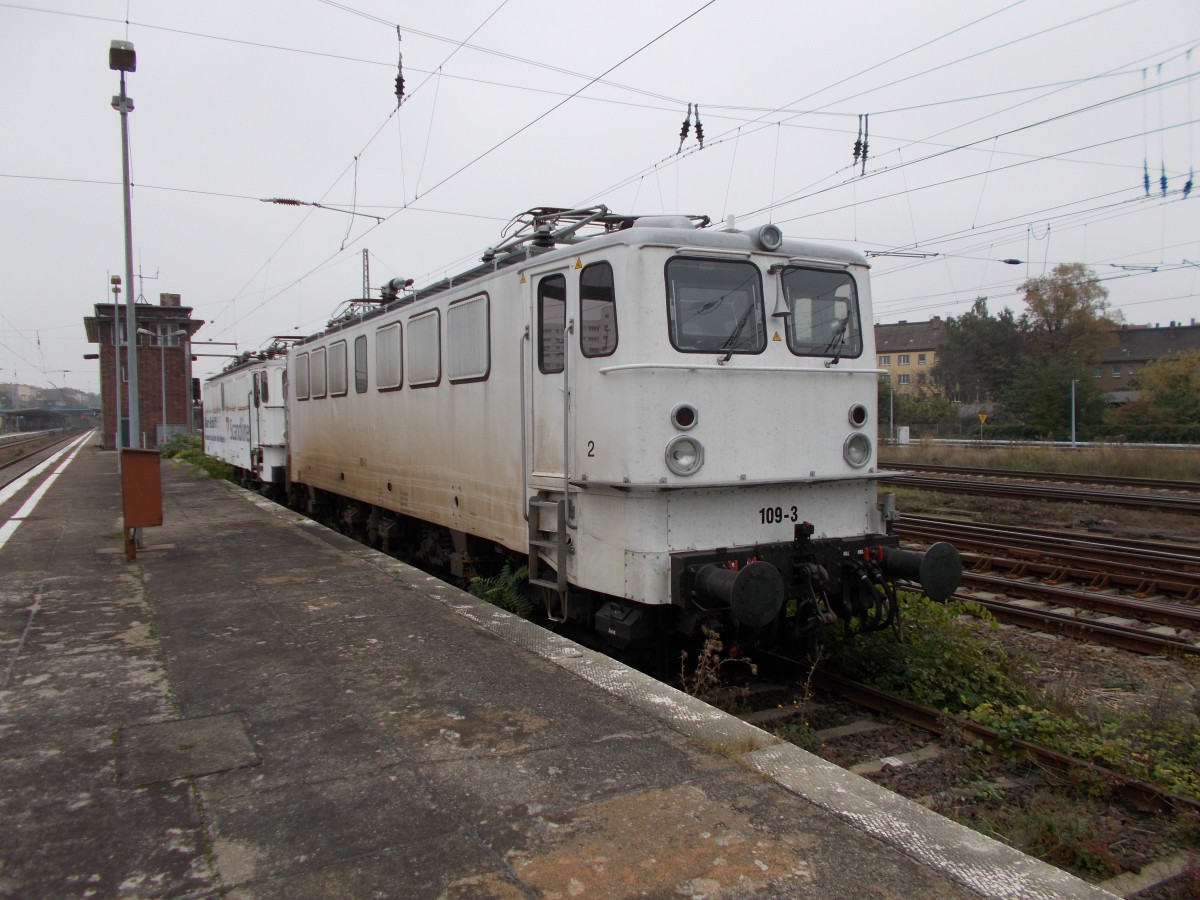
(591, 448)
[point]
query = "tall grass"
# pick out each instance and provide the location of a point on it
(1107, 459)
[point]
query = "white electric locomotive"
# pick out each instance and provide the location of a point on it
(673, 423)
(245, 420)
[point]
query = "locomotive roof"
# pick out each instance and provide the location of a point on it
(548, 234)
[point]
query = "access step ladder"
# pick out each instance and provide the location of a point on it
(555, 542)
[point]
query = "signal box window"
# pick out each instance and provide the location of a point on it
(823, 307)
(552, 319)
(597, 311)
(389, 356)
(715, 306)
(360, 364)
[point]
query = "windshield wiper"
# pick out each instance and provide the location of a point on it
(839, 339)
(737, 333)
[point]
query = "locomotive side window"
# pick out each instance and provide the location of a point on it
(301, 377)
(317, 376)
(824, 313)
(715, 306)
(337, 369)
(389, 356)
(266, 380)
(360, 364)
(468, 355)
(552, 319)
(257, 391)
(425, 349)
(597, 311)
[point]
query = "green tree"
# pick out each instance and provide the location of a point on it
(1064, 330)
(1040, 397)
(980, 354)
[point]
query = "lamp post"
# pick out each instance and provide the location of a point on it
(162, 338)
(121, 58)
(1073, 380)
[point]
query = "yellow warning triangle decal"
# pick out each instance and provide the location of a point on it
(776, 337)
(578, 263)
(522, 278)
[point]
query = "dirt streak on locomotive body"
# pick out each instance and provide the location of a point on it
(673, 423)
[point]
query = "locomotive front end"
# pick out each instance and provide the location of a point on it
(754, 491)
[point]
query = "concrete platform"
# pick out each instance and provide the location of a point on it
(258, 707)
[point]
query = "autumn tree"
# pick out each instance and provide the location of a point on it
(1064, 331)
(1066, 314)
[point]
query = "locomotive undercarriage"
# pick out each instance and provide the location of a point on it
(779, 594)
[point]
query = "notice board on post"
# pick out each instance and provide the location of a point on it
(141, 493)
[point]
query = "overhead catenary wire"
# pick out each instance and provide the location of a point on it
(524, 127)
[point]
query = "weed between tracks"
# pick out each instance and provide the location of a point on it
(189, 448)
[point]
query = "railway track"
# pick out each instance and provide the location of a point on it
(1158, 484)
(19, 455)
(1066, 584)
(919, 751)
(1029, 491)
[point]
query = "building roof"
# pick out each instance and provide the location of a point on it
(1144, 343)
(909, 337)
(146, 314)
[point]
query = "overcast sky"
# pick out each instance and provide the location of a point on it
(996, 130)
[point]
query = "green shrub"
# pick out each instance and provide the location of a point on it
(189, 448)
(508, 590)
(942, 661)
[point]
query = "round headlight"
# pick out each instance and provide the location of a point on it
(685, 455)
(857, 450)
(770, 237)
(858, 415)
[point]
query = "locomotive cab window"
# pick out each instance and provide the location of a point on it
(823, 319)
(715, 306)
(597, 311)
(265, 388)
(552, 319)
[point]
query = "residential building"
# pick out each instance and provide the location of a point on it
(907, 351)
(1133, 348)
